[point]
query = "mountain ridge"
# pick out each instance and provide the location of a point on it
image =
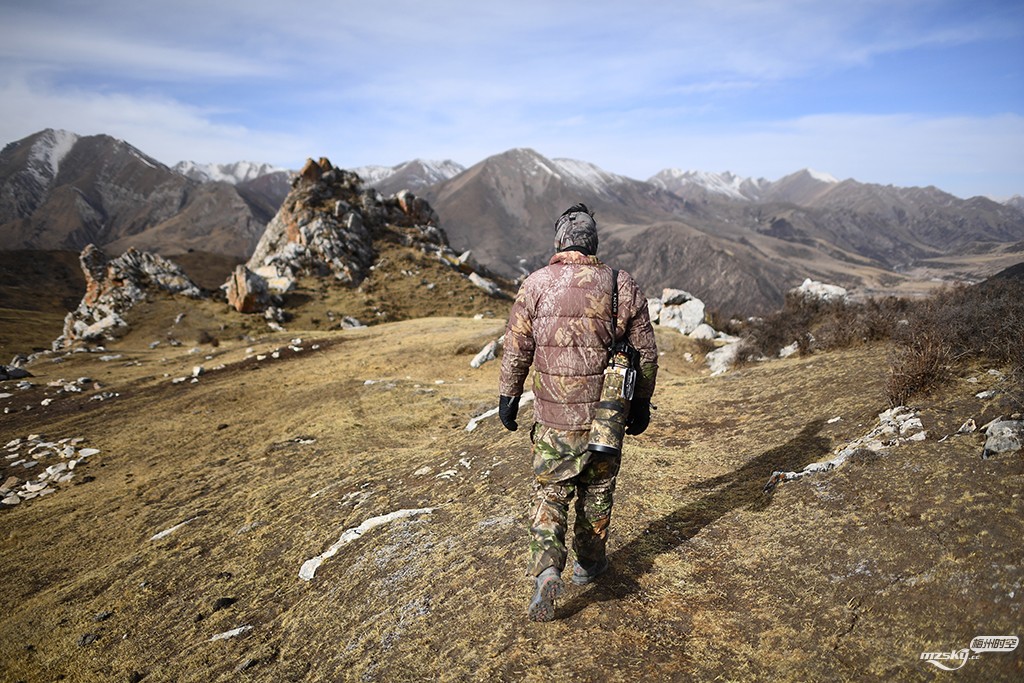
(62, 191)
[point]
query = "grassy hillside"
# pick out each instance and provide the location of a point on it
(846, 575)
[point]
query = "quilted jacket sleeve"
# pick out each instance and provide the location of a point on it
(640, 333)
(517, 354)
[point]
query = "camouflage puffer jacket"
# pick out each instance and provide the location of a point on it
(561, 324)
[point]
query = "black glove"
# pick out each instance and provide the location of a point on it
(639, 416)
(508, 408)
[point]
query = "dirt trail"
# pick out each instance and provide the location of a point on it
(848, 575)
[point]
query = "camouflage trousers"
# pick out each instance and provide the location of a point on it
(563, 468)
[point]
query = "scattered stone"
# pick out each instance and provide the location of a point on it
(703, 331)
(103, 616)
(232, 633)
(892, 429)
(986, 395)
(167, 532)
(787, 351)
(87, 639)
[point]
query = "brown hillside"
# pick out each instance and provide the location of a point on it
(206, 498)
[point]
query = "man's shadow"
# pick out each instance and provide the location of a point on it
(716, 497)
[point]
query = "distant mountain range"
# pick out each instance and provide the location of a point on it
(59, 190)
(738, 243)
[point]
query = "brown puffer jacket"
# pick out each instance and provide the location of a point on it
(561, 324)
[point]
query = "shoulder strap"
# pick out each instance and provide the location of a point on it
(615, 303)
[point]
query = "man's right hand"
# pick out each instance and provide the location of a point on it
(508, 409)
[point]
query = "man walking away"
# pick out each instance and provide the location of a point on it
(561, 324)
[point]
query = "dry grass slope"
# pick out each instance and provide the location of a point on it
(848, 575)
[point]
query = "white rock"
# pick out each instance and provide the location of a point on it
(654, 307)
(488, 353)
(721, 359)
(309, 567)
(703, 331)
(684, 317)
(232, 633)
(787, 351)
(812, 289)
(674, 297)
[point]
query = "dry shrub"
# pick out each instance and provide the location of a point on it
(815, 324)
(954, 326)
(932, 337)
(916, 369)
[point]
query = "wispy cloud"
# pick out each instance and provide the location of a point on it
(635, 86)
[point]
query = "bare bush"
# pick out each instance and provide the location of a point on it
(954, 326)
(932, 337)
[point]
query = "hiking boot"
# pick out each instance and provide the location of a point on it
(584, 574)
(549, 588)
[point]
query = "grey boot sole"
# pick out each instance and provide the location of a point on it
(542, 607)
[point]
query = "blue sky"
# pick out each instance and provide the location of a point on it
(903, 92)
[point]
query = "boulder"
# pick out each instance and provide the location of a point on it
(654, 307)
(1003, 436)
(685, 317)
(247, 291)
(674, 297)
(722, 358)
(11, 372)
(703, 331)
(812, 289)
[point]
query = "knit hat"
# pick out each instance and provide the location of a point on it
(577, 228)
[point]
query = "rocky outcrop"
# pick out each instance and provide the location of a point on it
(114, 286)
(328, 224)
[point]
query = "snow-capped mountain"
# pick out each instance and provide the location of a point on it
(235, 173)
(59, 190)
(411, 175)
(797, 187)
(726, 184)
